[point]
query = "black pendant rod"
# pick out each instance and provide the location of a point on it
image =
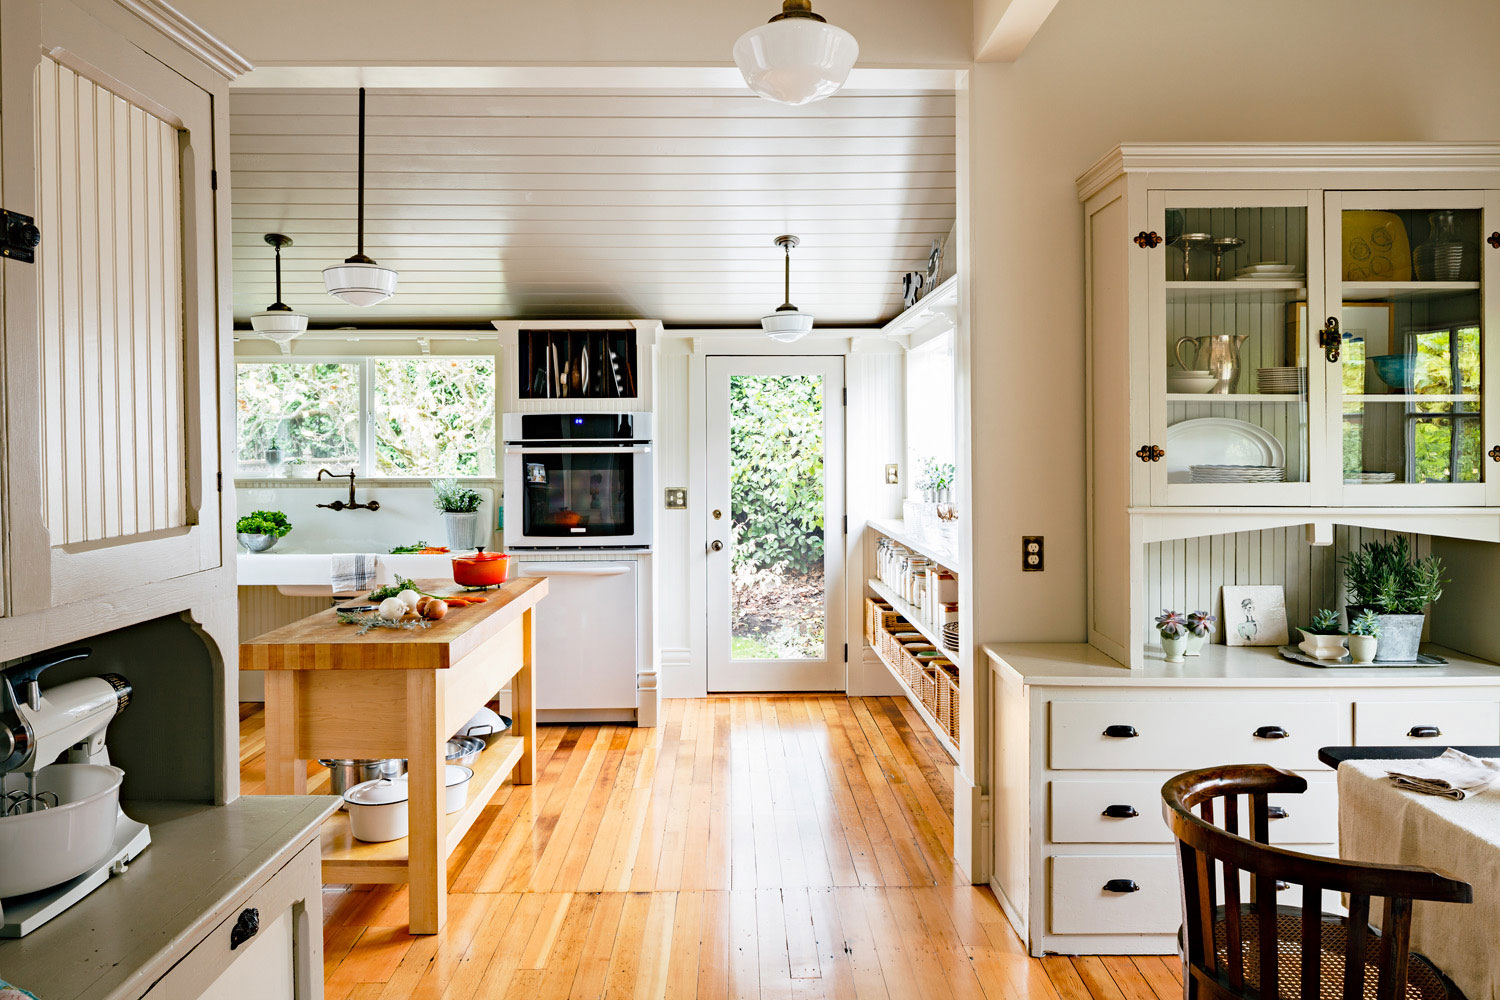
(359, 253)
(278, 273)
(278, 241)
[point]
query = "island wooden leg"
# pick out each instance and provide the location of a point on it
(285, 775)
(523, 693)
(427, 854)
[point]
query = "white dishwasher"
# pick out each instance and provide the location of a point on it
(587, 632)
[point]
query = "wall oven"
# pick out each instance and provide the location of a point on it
(577, 481)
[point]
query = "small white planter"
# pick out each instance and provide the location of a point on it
(1195, 644)
(461, 526)
(1174, 647)
(1324, 647)
(1362, 648)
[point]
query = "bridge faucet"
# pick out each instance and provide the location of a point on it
(341, 505)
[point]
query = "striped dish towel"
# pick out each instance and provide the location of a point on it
(354, 571)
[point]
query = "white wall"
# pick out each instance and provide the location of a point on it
(1101, 72)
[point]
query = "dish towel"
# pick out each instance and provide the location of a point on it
(1454, 775)
(354, 571)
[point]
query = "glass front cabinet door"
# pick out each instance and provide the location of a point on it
(1321, 348)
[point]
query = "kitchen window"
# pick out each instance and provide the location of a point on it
(391, 417)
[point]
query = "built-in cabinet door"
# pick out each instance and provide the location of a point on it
(1409, 275)
(110, 335)
(1230, 401)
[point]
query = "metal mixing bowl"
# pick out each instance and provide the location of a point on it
(464, 750)
(257, 543)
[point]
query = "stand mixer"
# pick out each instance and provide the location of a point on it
(53, 755)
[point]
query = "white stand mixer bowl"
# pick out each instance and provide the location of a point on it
(50, 846)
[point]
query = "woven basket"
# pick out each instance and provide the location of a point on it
(911, 664)
(878, 616)
(892, 640)
(927, 692)
(947, 699)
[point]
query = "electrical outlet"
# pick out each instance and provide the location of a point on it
(892, 474)
(676, 498)
(1031, 553)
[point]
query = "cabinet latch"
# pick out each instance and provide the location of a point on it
(1495, 453)
(1331, 339)
(1494, 240)
(21, 237)
(1150, 453)
(1147, 241)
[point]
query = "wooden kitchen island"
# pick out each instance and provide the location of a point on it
(331, 692)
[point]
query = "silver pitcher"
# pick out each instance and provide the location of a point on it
(1218, 353)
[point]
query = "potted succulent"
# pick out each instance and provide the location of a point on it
(1384, 577)
(273, 455)
(259, 530)
(1323, 638)
(1364, 637)
(1200, 625)
(1173, 629)
(459, 505)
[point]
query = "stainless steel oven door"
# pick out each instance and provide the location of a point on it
(577, 496)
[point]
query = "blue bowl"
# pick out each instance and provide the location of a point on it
(1396, 370)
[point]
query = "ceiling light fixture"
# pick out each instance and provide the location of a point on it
(787, 323)
(360, 281)
(797, 57)
(278, 322)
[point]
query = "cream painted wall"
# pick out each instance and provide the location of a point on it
(1100, 72)
(564, 32)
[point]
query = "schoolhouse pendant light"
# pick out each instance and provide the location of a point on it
(278, 322)
(797, 57)
(787, 323)
(360, 281)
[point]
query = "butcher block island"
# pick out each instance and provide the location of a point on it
(334, 692)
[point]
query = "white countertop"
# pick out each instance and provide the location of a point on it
(1076, 664)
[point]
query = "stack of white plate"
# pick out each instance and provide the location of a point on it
(1369, 478)
(950, 635)
(1270, 270)
(1238, 474)
(1282, 381)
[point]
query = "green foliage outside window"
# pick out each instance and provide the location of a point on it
(776, 472)
(434, 416)
(309, 411)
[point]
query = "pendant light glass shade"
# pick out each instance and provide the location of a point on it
(787, 323)
(277, 321)
(360, 281)
(797, 58)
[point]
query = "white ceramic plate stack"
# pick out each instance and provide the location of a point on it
(1281, 381)
(1238, 474)
(1369, 478)
(950, 635)
(1270, 270)
(1219, 441)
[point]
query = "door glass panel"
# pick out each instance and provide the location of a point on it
(776, 505)
(1236, 348)
(1412, 312)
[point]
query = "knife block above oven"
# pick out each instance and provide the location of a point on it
(576, 364)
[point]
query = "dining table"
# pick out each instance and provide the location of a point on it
(1381, 823)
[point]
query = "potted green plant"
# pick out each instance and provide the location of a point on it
(459, 505)
(1173, 629)
(259, 530)
(1364, 637)
(938, 477)
(273, 455)
(1386, 578)
(1323, 638)
(1200, 625)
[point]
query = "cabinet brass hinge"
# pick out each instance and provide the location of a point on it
(1150, 453)
(1494, 240)
(1494, 453)
(1147, 241)
(1330, 339)
(19, 238)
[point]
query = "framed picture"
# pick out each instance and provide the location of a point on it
(1254, 616)
(1369, 330)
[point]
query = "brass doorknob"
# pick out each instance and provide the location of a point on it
(716, 545)
(718, 514)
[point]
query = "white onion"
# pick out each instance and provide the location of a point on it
(392, 609)
(410, 598)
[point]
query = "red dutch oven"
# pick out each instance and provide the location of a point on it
(482, 569)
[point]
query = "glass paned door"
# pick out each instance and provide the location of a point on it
(1409, 413)
(774, 535)
(1229, 393)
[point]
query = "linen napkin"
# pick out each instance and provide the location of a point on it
(353, 571)
(1454, 775)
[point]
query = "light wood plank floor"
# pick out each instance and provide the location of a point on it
(749, 847)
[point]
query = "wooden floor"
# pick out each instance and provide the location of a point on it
(793, 846)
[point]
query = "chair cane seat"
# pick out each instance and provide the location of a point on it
(1424, 981)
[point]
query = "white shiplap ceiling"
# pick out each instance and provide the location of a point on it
(560, 204)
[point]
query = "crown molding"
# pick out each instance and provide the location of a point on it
(186, 32)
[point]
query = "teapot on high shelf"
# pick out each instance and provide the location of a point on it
(1218, 353)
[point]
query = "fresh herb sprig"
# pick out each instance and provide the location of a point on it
(392, 589)
(368, 621)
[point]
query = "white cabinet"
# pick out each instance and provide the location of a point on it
(588, 638)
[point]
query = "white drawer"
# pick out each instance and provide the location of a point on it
(1080, 904)
(1402, 723)
(1177, 736)
(1078, 813)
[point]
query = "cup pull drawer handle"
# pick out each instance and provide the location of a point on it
(1121, 885)
(245, 928)
(1120, 812)
(1424, 732)
(1121, 732)
(1271, 733)
(1277, 812)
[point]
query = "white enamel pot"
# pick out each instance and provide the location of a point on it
(377, 809)
(50, 846)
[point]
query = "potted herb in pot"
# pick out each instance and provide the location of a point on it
(1364, 637)
(459, 505)
(259, 530)
(1384, 577)
(1323, 638)
(273, 456)
(1173, 629)
(1200, 625)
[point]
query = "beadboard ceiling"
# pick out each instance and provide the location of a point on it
(514, 204)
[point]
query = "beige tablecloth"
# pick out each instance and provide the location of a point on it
(1379, 822)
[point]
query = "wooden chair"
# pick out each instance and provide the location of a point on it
(1257, 950)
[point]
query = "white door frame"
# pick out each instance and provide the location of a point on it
(831, 672)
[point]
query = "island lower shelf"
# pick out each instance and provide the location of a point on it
(346, 860)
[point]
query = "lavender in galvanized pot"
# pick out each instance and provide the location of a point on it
(1384, 578)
